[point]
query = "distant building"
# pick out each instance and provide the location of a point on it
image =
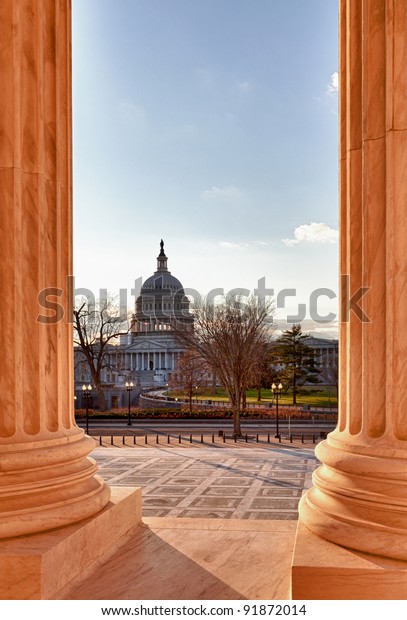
(326, 358)
(326, 353)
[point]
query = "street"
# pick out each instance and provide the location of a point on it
(187, 427)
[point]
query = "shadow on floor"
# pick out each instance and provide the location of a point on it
(195, 559)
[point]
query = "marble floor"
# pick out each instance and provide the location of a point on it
(219, 523)
(195, 559)
(212, 483)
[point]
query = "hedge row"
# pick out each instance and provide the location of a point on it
(194, 414)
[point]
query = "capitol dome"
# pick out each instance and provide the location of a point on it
(162, 301)
(160, 281)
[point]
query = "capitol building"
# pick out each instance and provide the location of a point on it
(148, 353)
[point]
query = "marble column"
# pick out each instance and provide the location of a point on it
(359, 498)
(47, 479)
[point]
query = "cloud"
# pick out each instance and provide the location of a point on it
(232, 245)
(244, 87)
(229, 245)
(228, 194)
(313, 233)
(333, 85)
(316, 329)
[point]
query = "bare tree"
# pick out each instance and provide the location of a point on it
(97, 326)
(329, 375)
(228, 336)
(191, 372)
(261, 372)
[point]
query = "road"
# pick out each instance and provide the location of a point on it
(176, 427)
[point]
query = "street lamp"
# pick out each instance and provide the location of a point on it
(277, 391)
(129, 387)
(86, 390)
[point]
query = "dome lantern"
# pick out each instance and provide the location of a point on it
(161, 258)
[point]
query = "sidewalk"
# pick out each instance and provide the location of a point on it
(212, 482)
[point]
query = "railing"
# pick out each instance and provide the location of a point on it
(207, 439)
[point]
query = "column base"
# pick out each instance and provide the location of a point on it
(41, 565)
(322, 570)
(359, 498)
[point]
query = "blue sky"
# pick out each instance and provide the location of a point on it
(211, 124)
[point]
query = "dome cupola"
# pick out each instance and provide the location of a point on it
(161, 258)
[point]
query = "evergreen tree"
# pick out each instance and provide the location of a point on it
(296, 359)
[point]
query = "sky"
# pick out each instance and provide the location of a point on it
(213, 125)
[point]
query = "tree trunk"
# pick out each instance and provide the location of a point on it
(235, 400)
(98, 388)
(259, 392)
(237, 431)
(101, 397)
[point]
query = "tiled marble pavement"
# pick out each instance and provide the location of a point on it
(232, 483)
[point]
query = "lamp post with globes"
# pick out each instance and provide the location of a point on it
(86, 390)
(276, 389)
(129, 387)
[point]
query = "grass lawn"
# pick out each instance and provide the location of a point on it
(316, 396)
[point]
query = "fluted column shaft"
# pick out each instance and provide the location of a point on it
(46, 478)
(359, 498)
